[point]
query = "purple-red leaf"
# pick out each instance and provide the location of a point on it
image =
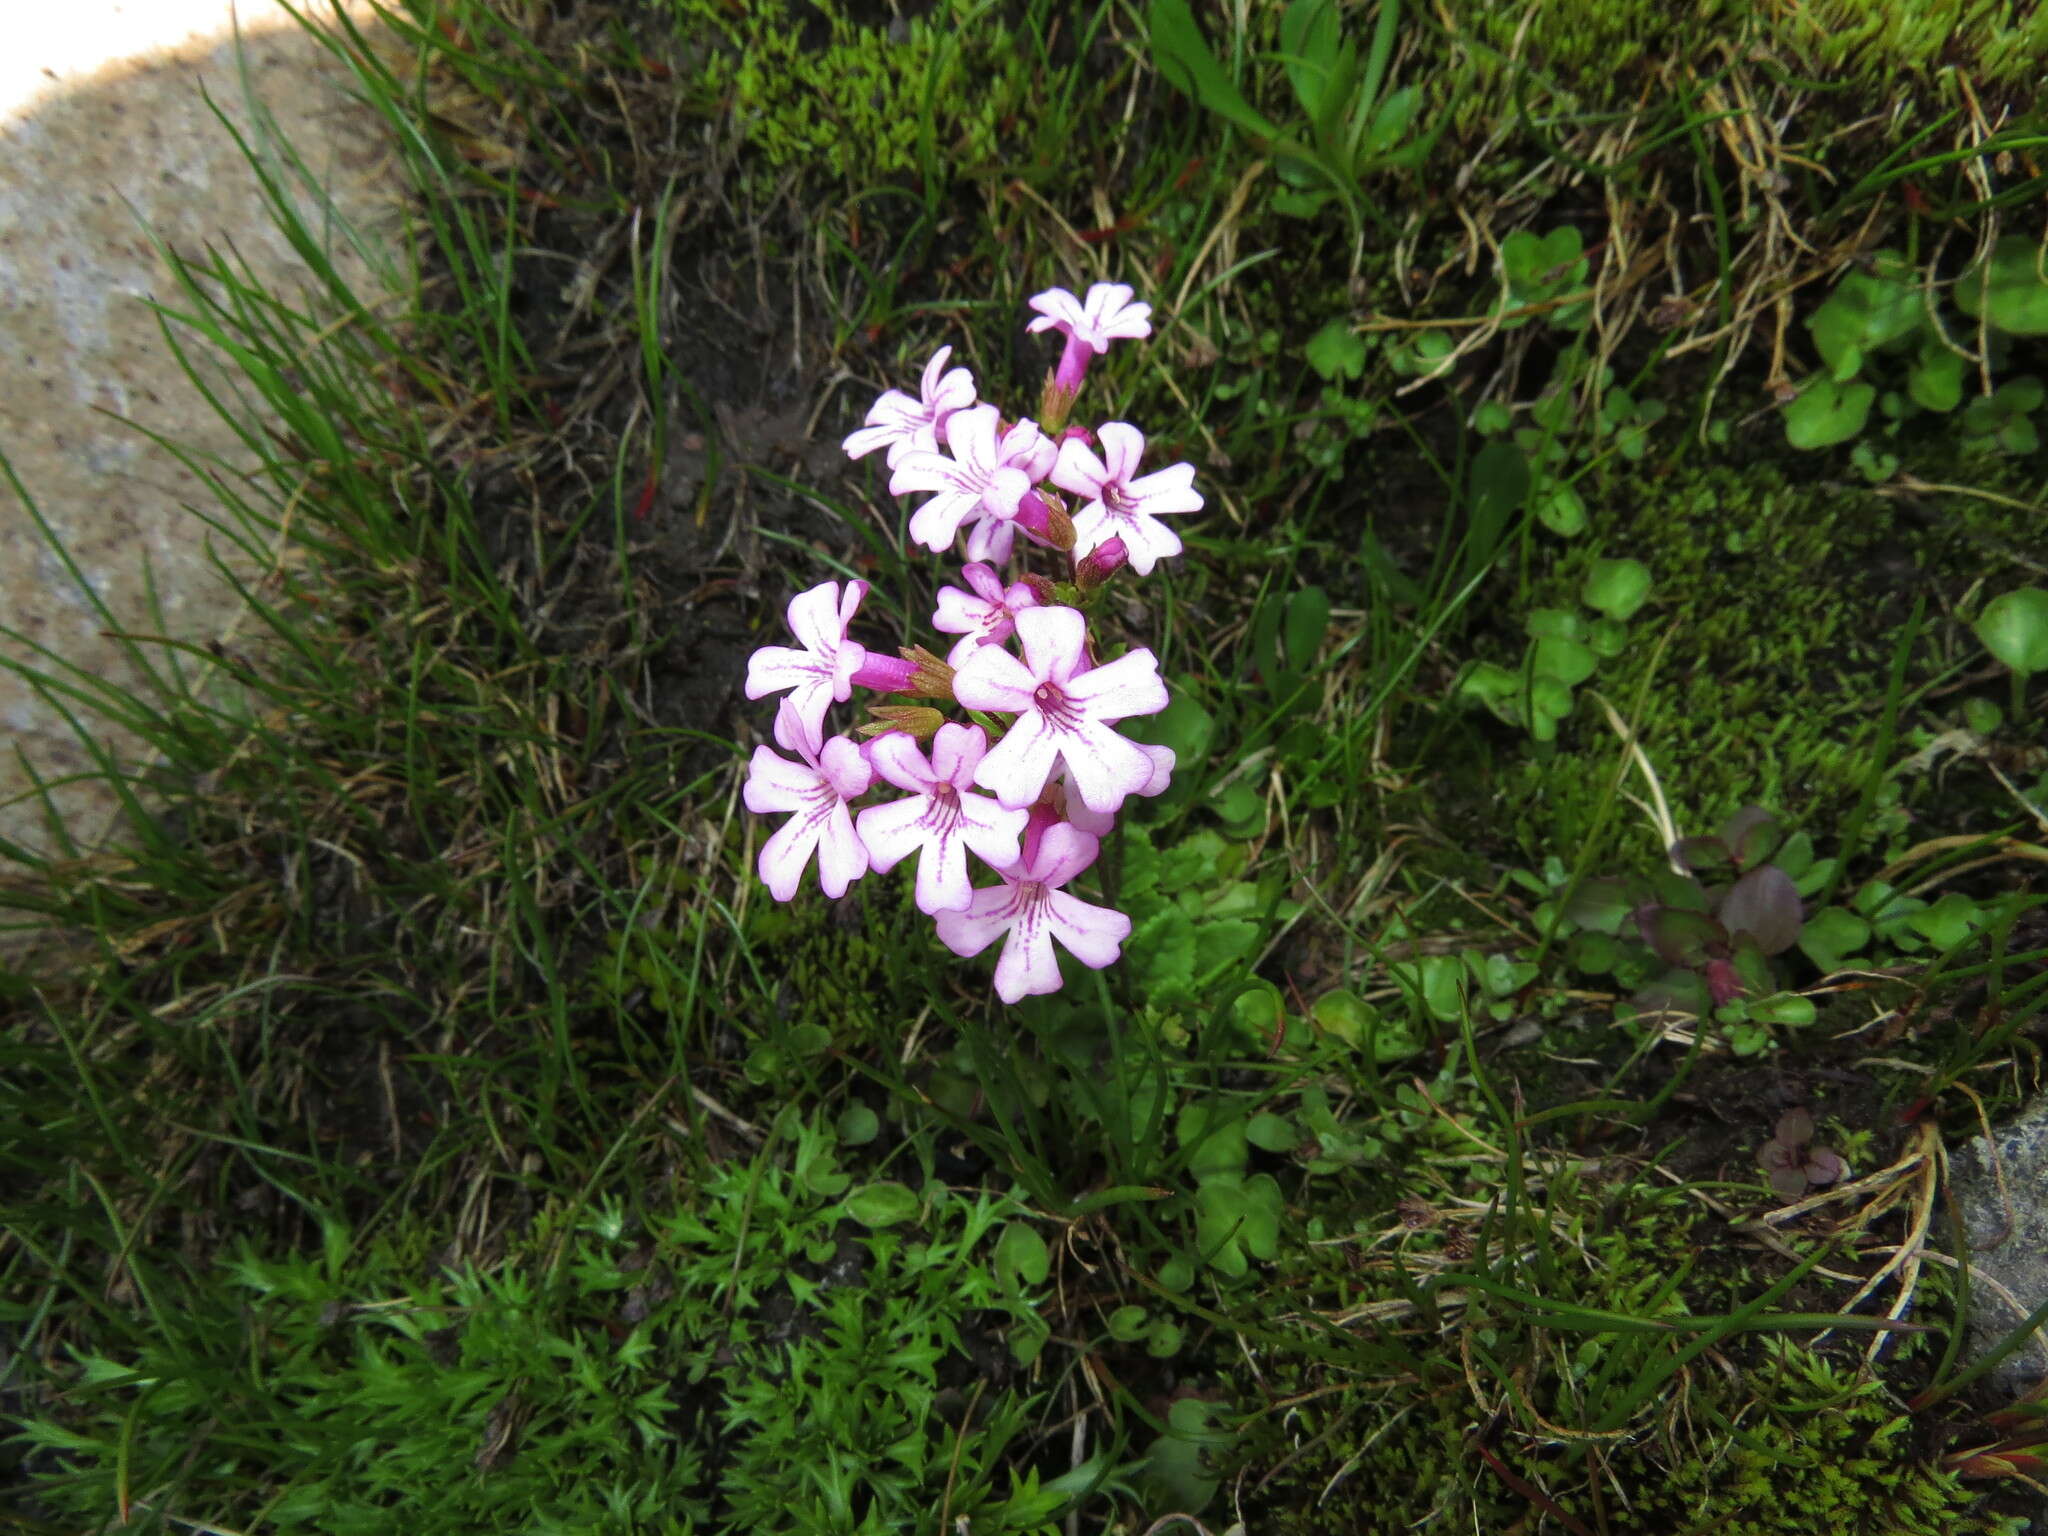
(1680, 937)
(1765, 905)
(1749, 835)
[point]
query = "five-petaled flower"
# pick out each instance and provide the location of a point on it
(823, 670)
(1107, 314)
(1120, 506)
(815, 791)
(941, 820)
(985, 478)
(1032, 910)
(984, 616)
(1063, 709)
(904, 425)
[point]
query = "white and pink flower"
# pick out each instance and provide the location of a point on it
(822, 672)
(984, 478)
(815, 791)
(1090, 325)
(985, 615)
(906, 425)
(1029, 910)
(942, 820)
(1120, 503)
(1064, 709)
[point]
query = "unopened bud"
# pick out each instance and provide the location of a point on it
(920, 722)
(1041, 588)
(932, 678)
(1100, 564)
(1055, 404)
(1043, 518)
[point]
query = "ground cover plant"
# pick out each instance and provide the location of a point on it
(1593, 887)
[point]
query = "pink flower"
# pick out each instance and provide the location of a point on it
(823, 670)
(1032, 910)
(816, 791)
(1119, 506)
(941, 821)
(986, 616)
(1063, 710)
(1090, 326)
(903, 425)
(1099, 823)
(984, 478)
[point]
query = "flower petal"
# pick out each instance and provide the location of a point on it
(956, 749)
(775, 784)
(842, 856)
(993, 679)
(784, 855)
(1130, 685)
(1016, 767)
(1105, 768)
(897, 758)
(892, 831)
(985, 918)
(1053, 639)
(1028, 967)
(1093, 935)
(942, 876)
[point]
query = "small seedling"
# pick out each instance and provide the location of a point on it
(1793, 1162)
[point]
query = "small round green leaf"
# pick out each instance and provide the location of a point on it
(882, 1205)
(1617, 588)
(2014, 628)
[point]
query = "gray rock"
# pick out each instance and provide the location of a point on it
(2008, 1238)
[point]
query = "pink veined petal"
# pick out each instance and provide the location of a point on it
(891, 831)
(1053, 640)
(942, 876)
(955, 750)
(928, 385)
(1122, 446)
(993, 833)
(785, 854)
(1105, 768)
(1006, 487)
(1056, 307)
(991, 538)
(928, 472)
(982, 578)
(1093, 935)
(985, 918)
(775, 784)
(1063, 853)
(1094, 823)
(1171, 489)
(971, 434)
(1016, 767)
(1162, 769)
(958, 613)
(842, 856)
(1028, 967)
(1130, 685)
(797, 732)
(846, 767)
(937, 522)
(814, 617)
(862, 441)
(897, 758)
(994, 679)
(1078, 470)
(775, 667)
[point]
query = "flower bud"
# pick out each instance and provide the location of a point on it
(918, 721)
(932, 678)
(1100, 564)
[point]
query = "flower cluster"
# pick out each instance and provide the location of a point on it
(1035, 776)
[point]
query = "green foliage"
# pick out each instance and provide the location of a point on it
(1358, 124)
(1882, 321)
(862, 103)
(1565, 649)
(767, 1358)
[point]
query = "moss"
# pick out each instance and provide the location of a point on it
(1601, 56)
(1783, 593)
(1773, 1440)
(851, 99)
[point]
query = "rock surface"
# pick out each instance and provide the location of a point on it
(103, 129)
(2007, 1229)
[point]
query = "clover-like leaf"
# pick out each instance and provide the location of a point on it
(1831, 935)
(2009, 289)
(1617, 588)
(1827, 411)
